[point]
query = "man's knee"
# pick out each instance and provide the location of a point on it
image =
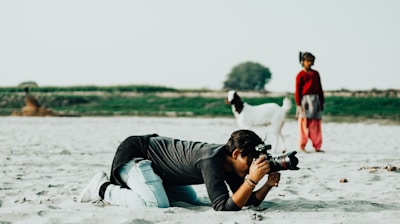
(140, 177)
(152, 184)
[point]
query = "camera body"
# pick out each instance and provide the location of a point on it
(287, 161)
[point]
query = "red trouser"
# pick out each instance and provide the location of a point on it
(310, 128)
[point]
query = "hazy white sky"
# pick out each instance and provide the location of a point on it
(195, 44)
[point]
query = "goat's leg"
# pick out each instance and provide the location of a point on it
(274, 141)
(279, 139)
(282, 138)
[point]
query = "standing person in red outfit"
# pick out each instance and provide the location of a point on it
(309, 98)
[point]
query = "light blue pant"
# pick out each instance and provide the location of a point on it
(146, 189)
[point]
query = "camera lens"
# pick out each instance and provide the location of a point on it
(284, 162)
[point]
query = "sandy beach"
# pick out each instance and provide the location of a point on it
(46, 162)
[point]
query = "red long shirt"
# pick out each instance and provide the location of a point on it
(308, 83)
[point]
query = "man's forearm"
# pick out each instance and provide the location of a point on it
(262, 192)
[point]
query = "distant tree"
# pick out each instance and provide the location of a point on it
(248, 76)
(30, 84)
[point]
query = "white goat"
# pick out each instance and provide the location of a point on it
(248, 116)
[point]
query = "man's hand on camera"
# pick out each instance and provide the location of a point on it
(273, 179)
(258, 168)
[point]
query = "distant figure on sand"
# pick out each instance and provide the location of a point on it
(32, 107)
(155, 171)
(310, 100)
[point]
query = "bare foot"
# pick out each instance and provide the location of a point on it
(303, 150)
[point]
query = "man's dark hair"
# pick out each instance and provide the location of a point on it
(245, 141)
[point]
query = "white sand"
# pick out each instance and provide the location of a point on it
(45, 163)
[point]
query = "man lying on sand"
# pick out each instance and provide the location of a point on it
(152, 171)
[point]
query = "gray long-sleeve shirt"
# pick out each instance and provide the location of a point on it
(180, 162)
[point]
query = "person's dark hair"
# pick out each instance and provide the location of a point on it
(304, 55)
(245, 141)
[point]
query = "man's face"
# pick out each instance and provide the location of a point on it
(241, 166)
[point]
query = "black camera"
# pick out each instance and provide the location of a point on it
(287, 161)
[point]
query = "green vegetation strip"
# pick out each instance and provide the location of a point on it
(146, 102)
